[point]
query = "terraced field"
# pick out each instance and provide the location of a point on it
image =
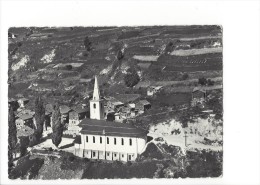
(34, 53)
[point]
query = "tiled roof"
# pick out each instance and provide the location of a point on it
(25, 131)
(101, 127)
(25, 116)
(24, 99)
(80, 110)
(49, 107)
(125, 98)
(64, 109)
(144, 102)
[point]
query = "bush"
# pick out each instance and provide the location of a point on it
(185, 76)
(210, 82)
(71, 158)
(202, 81)
(131, 78)
(68, 67)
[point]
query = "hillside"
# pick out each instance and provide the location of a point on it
(55, 61)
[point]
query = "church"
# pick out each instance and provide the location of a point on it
(106, 140)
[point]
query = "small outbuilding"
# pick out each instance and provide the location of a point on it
(143, 105)
(22, 102)
(25, 120)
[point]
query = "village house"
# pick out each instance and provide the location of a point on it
(152, 90)
(24, 137)
(64, 110)
(143, 105)
(11, 35)
(25, 120)
(198, 93)
(22, 102)
(13, 103)
(198, 96)
(100, 139)
(118, 117)
(114, 104)
(75, 117)
(110, 115)
(25, 133)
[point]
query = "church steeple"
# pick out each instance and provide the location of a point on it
(96, 104)
(96, 93)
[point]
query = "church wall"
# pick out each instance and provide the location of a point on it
(137, 146)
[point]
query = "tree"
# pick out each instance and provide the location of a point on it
(168, 47)
(119, 55)
(57, 127)
(210, 82)
(68, 67)
(87, 43)
(39, 117)
(131, 78)
(12, 135)
(202, 81)
(185, 76)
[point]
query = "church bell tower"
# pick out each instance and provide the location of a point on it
(96, 104)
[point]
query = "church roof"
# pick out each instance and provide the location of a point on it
(102, 127)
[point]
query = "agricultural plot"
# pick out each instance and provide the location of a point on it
(190, 52)
(203, 62)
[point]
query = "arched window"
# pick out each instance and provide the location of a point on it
(100, 140)
(107, 140)
(93, 139)
(115, 141)
(130, 142)
(122, 141)
(94, 105)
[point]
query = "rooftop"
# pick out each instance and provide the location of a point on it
(24, 99)
(25, 116)
(155, 87)
(144, 102)
(25, 131)
(80, 110)
(49, 107)
(64, 109)
(101, 127)
(125, 98)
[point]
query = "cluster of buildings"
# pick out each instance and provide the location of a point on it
(99, 128)
(200, 93)
(108, 140)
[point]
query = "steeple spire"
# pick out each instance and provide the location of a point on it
(96, 93)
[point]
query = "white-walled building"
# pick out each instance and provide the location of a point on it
(100, 139)
(109, 140)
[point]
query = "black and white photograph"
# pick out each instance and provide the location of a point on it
(127, 101)
(116, 100)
